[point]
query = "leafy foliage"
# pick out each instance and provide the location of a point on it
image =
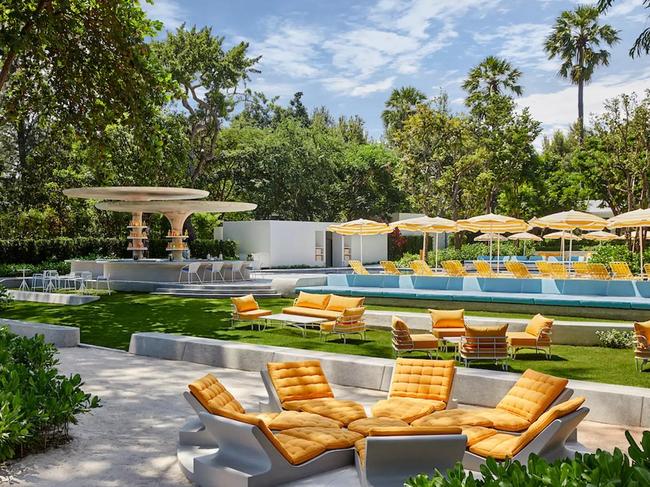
(37, 404)
(5, 298)
(616, 338)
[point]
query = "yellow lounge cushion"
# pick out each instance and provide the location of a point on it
(407, 409)
(309, 300)
(330, 438)
(298, 450)
(213, 396)
(413, 431)
(523, 339)
(360, 447)
(296, 419)
(297, 381)
(453, 417)
(443, 318)
(245, 303)
(485, 331)
(556, 412)
(364, 425)
(537, 324)
(422, 379)
(643, 328)
(477, 433)
(327, 325)
(254, 314)
(340, 303)
(339, 410)
(314, 313)
(504, 420)
(448, 332)
(424, 341)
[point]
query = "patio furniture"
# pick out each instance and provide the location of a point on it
(418, 388)
(403, 341)
(537, 336)
(328, 306)
(598, 271)
(238, 268)
(302, 386)
(642, 348)
(358, 268)
(518, 269)
(389, 267)
(389, 456)
(544, 268)
(50, 281)
(37, 277)
(484, 343)
(484, 268)
(106, 279)
(246, 308)
(69, 281)
(350, 322)
(190, 270)
(621, 270)
(454, 268)
(447, 323)
(213, 268)
(581, 270)
(421, 268)
(558, 270)
(296, 321)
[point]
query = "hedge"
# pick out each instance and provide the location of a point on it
(36, 251)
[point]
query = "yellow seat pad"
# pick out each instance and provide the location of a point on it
(453, 417)
(315, 313)
(254, 314)
(448, 332)
(477, 433)
(360, 447)
(327, 325)
(521, 339)
(413, 431)
(213, 396)
(422, 379)
(424, 340)
(364, 425)
(339, 410)
(504, 420)
(500, 446)
(299, 381)
(294, 419)
(299, 450)
(407, 409)
(330, 438)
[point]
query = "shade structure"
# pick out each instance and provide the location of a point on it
(493, 223)
(562, 236)
(135, 193)
(360, 227)
(602, 236)
(487, 237)
(570, 220)
(525, 237)
(637, 218)
(427, 224)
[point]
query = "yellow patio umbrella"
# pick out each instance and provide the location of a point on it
(602, 236)
(563, 236)
(360, 227)
(637, 218)
(426, 224)
(570, 220)
(525, 237)
(493, 223)
(486, 237)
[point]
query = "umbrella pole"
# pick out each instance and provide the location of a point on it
(570, 250)
(524, 249)
(436, 269)
(361, 246)
(424, 246)
(641, 247)
(498, 251)
(562, 247)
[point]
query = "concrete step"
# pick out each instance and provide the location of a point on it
(217, 288)
(215, 294)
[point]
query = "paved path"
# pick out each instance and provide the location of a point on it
(131, 440)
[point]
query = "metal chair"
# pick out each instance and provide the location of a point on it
(214, 268)
(238, 267)
(51, 277)
(106, 278)
(190, 270)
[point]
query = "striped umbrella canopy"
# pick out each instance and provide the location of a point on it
(360, 227)
(525, 237)
(487, 237)
(562, 236)
(637, 218)
(570, 220)
(602, 236)
(427, 224)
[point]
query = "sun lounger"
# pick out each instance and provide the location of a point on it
(454, 268)
(621, 270)
(389, 267)
(421, 268)
(484, 269)
(598, 271)
(537, 336)
(358, 267)
(642, 348)
(518, 269)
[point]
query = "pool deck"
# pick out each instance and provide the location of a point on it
(131, 440)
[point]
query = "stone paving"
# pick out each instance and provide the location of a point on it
(131, 440)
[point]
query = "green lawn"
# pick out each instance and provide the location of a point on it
(110, 322)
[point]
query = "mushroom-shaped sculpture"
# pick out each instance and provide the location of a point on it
(176, 212)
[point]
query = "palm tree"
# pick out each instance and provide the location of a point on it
(642, 43)
(493, 76)
(576, 39)
(399, 106)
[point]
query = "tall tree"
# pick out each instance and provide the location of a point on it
(399, 106)
(642, 43)
(576, 40)
(493, 76)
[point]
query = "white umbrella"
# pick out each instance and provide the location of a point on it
(525, 237)
(426, 224)
(638, 218)
(360, 227)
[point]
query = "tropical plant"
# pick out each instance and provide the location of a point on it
(5, 298)
(642, 43)
(576, 40)
(493, 76)
(616, 338)
(400, 105)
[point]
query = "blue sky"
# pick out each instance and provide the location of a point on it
(348, 56)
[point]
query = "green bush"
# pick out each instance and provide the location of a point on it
(14, 270)
(606, 253)
(5, 298)
(199, 249)
(406, 259)
(599, 469)
(616, 338)
(37, 404)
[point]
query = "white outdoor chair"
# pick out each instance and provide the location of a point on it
(69, 281)
(38, 281)
(84, 277)
(51, 281)
(214, 268)
(190, 270)
(238, 267)
(105, 278)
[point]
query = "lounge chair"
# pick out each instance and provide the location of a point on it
(484, 343)
(646, 269)
(484, 269)
(418, 388)
(598, 271)
(421, 268)
(348, 323)
(537, 336)
(581, 270)
(454, 268)
(642, 350)
(358, 267)
(389, 267)
(245, 308)
(621, 270)
(544, 268)
(302, 386)
(518, 269)
(546, 437)
(447, 323)
(558, 270)
(404, 341)
(389, 456)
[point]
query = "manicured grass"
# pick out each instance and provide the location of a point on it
(110, 322)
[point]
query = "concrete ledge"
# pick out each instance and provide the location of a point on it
(60, 336)
(53, 298)
(611, 404)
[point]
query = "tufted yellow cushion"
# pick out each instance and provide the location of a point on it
(537, 324)
(422, 379)
(424, 340)
(448, 332)
(406, 408)
(412, 430)
(298, 450)
(254, 314)
(339, 303)
(442, 318)
(295, 419)
(339, 410)
(551, 415)
(213, 396)
(532, 395)
(298, 381)
(315, 301)
(364, 425)
(245, 303)
(477, 433)
(316, 313)
(330, 438)
(360, 447)
(453, 417)
(353, 312)
(504, 420)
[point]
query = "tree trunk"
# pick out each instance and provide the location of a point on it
(581, 110)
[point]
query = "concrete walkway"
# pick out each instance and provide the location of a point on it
(131, 440)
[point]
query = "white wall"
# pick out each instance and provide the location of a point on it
(294, 243)
(252, 237)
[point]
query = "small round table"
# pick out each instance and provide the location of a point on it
(23, 284)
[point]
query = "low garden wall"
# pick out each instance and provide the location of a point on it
(58, 335)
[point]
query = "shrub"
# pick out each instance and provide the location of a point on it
(596, 469)
(37, 405)
(14, 270)
(606, 253)
(5, 298)
(616, 338)
(406, 259)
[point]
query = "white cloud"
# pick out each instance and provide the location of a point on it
(291, 51)
(356, 88)
(167, 11)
